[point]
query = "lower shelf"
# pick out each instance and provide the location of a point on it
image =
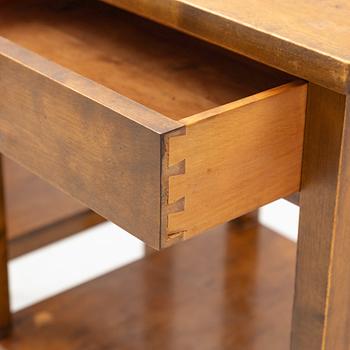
(228, 289)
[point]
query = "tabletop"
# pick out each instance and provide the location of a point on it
(306, 38)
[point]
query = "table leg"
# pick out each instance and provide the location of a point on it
(321, 316)
(5, 316)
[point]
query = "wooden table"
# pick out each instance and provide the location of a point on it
(211, 135)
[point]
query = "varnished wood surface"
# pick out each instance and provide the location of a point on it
(228, 289)
(63, 228)
(31, 203)
(101, 147)
(38, 214)
(5, 316)
(94, 144)
(305, 38)
(236, 158)
(167, 71)
(322, 304)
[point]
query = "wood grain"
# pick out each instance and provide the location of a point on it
(244, 302)
(322, 306)
(92, 143)
(98, 146)
(243, 222)
(5, 316)
(31, 203)
(299, 37)
(169, 72)
(236, 158)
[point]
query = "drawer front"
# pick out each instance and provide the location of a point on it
(90, 142)
(160, 179)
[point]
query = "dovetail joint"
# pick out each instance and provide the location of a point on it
(179, 205)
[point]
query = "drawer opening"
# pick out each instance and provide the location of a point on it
(158, 67)
(156, 131)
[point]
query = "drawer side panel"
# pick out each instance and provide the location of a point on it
(237, 157)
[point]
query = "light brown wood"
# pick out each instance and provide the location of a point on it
(92, 143)
(322, 306)
(38, 214)
(84, 138)
(63, 228)
(236, 158)
(5, 316)
(228, 289)
(31, 203)
(110, 152)
(300, 37)
(164, 70)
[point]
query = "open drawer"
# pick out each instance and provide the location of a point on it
(160, 133)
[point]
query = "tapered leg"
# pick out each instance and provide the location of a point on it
(5, 316)
(321, 317)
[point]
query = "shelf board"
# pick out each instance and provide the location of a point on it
(230, 288)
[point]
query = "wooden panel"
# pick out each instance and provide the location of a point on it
(322, 306)
(164, 70)
(92, 143)
(32, 203)
(300, 37)
(236, 158)
(244, 302)
(5, 316)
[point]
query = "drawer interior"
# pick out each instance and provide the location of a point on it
(160, 68)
